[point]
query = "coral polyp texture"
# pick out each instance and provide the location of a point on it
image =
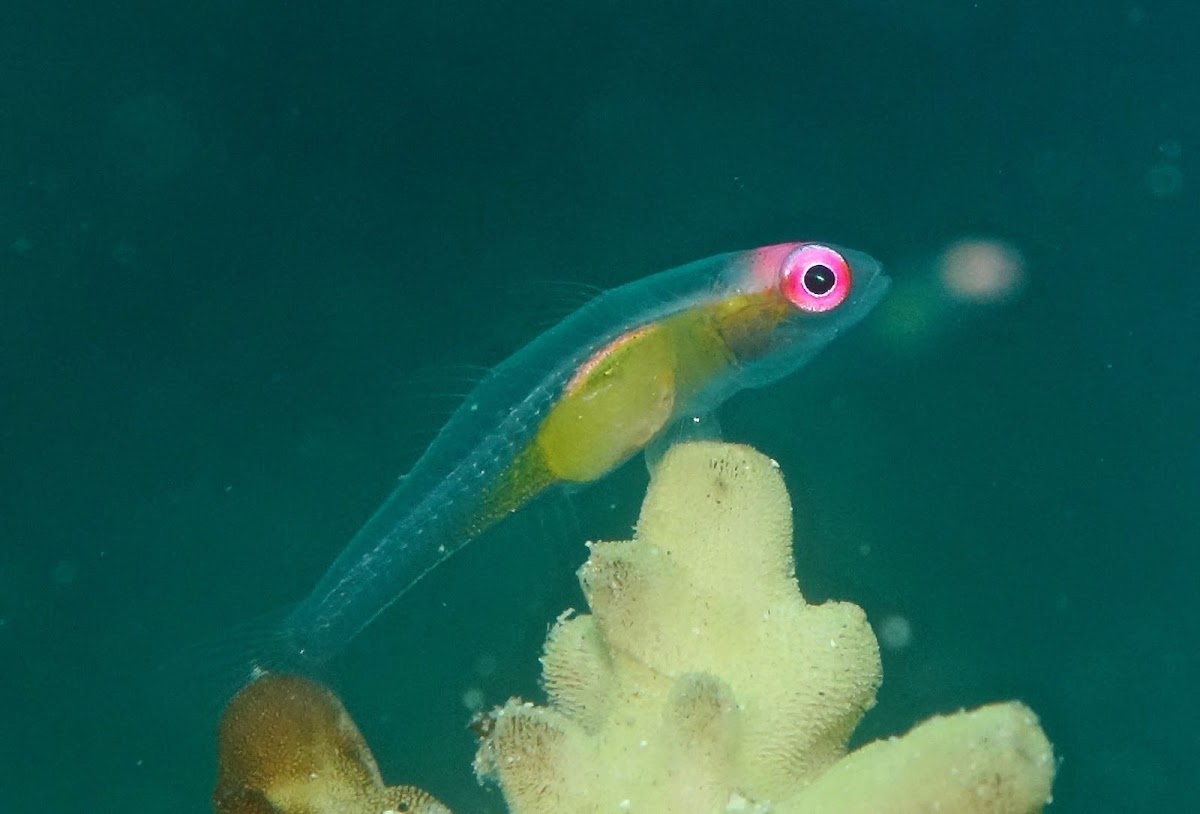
(702, 681)
(288, 746)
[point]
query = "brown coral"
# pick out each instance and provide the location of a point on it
(288, 746)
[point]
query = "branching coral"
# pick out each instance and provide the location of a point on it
(703, 682)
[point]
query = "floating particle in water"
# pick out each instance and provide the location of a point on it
(1170, 150)
(124, 253)
(938, 294)
(64, 572)
(983, 272)
(473, 699)
(1164, 179)
(895, 632)
(21, 246)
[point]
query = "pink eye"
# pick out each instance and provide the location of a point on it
(815, 278)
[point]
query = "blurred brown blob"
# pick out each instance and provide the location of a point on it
(982, 272)
(288, 746)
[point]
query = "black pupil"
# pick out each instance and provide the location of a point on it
(819, 280)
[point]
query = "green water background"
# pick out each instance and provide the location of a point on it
(251, 252)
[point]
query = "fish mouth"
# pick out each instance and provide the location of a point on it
(876, 287)
(871, 284)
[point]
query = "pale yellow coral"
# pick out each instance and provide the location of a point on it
(994, 758)
(703, 682)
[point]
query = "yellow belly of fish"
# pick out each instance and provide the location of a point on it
(621, 399)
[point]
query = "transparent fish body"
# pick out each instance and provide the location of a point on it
(582, 398)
